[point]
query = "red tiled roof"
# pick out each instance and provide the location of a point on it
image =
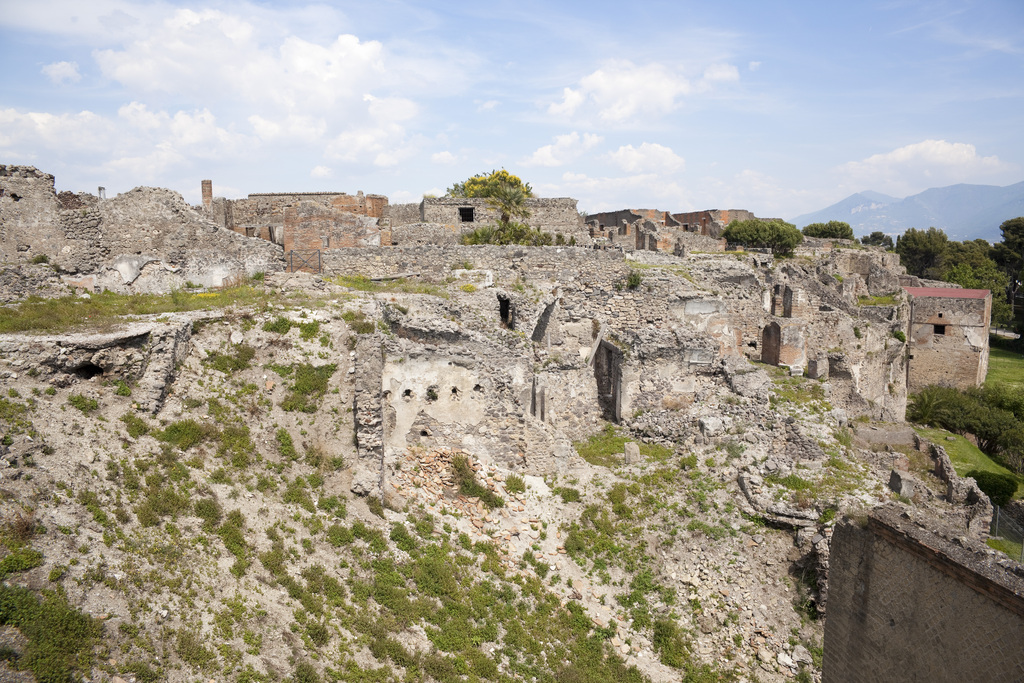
(947, 292)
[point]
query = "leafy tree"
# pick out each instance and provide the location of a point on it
(877, 239)
(509, 200)
(1009, 256)
(922, 252)
(487, 185)
(984, 275)
(833, 230)
(779, 236)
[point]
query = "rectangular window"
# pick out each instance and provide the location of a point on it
(940, 329)
(466, 214)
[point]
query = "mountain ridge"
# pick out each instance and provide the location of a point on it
(963, 211)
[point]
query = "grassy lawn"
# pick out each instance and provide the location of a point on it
(606, 448)
(1006, 367)
(965, 456)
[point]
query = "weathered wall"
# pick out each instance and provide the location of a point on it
(262, 215)
(310, 225)
(711, 222)
(404, 214)
(948, 338)
(548, 215)
(908, 605)
(29, 214)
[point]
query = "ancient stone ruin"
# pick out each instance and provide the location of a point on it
(740, 383)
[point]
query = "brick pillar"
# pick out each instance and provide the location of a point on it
(208, 195)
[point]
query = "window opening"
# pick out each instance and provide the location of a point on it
(940, 329)
(466, 214)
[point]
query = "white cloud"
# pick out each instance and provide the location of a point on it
(59, 72)
(565, 149)
(487, 106)
(288, 88)
(621, 91)
(649, 156)
(321, 172)
(444, 157)
(754, 66)
(721, 72)
(915, 167)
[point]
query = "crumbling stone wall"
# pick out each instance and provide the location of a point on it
(909, 604)
(310, 225)
(262, 215)
(462, 214)
(29, 214)
(710, 222)
(948, 337)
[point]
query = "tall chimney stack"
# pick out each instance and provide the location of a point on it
(208, 195)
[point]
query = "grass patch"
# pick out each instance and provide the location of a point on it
(60, 639)
(1005, 367)
(362, 283)
(965, 456)
(308, 388)
(83, 403)
(230, 363)
(607, 448)
(102, 310)
(884, 300)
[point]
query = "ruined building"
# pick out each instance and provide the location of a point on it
(948, 335)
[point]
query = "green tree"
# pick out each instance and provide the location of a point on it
(1009, 256)
(509, 200)
(922, 252)
(487, 185)
(833, 230)
(779, 236)
(877, 239)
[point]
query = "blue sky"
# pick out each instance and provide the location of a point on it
(777, 107)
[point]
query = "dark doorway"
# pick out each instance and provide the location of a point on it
(608, 373)
(771, 339)
(507, 311)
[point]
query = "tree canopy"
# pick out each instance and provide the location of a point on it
(779, 236)
(922, 252)
(974, 264)
(488, 184)
(833, 230)
(877, 239)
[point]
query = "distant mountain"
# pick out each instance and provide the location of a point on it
(964, 212)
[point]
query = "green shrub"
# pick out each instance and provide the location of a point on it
(309, 386)
(899, 335)
(185, 434)
(465, 480)
(777, 235)
(40, 258)
(135, 424)
(281, 325)
(20, 560)
(998, 487)
(285, 445)
(568, 495)
(515, 484)
(833, 230)
(231, 363)
(83, 403)
(634, 279)
(59, 639)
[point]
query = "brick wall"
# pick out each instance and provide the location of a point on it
(948, 339)
(310, 225)
(908, 605)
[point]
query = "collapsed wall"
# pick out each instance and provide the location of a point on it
(144, 240)
(910, 603)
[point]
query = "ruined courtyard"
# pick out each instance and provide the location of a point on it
(660, 439)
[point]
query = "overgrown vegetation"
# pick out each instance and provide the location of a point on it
(606, 448)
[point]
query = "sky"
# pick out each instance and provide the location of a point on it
(781, 108)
